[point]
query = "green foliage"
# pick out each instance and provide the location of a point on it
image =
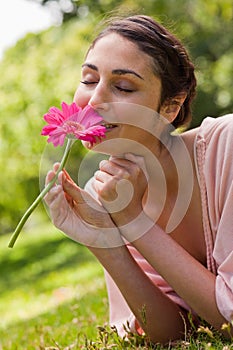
(208, 33)
(40, 71)
(44, 69)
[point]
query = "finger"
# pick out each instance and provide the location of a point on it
(102, 176)
(133, 164)
(80, 196)
(56, 167)
(66, 174)
(49, 177)
(52, 173)
(129, 159)
(105, 190)
(138, 160)
(114, 161)
(58, 207)
(63, 174)
(52, 194)
(114, 169)
(71, 188)
(98, 187)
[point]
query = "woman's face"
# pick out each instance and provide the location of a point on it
(115, 70)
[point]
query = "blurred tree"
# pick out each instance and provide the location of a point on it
(67, 9)
(43, 69)
(40, 71)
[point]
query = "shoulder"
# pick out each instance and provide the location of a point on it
(210, 125)
(214, 156)
(212, 129)
(210, 146)
(214, 142)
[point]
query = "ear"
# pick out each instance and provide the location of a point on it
(171, 106)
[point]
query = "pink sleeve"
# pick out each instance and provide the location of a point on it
(223, 254)
(224, 288)
(218, 170)
(120, 314)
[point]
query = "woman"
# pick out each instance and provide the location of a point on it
(158, 213)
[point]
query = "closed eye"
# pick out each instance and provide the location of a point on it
(124, 89)
(88, 82)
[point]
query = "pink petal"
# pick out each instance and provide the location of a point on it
(58, 127)
(65, 110)
(47, 129)
(96, 130)
(74, 108)
(69, 110)
(92, 133)
(54, 117)
(57, 139)
(89, 117)
(55, 110)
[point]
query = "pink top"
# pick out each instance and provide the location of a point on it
(214, 165)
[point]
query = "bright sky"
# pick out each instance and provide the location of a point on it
(18, 17)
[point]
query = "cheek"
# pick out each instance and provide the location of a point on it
(154, 98)
(81, 98)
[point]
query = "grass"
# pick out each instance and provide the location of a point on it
(50, 289)
(53, 297)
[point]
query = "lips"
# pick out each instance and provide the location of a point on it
(109, 126)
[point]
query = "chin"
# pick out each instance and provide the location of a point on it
(98, 147)
(113, 147)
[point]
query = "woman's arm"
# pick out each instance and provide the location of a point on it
(158, 315)
(188, 277)
(160, 318)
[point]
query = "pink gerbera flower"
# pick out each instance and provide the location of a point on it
(74, 122)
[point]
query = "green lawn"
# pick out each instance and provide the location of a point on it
(53, 297)
(51, 290)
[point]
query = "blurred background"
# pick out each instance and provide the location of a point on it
(50, 287)
(42, 45)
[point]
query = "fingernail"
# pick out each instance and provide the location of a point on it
(103, 162)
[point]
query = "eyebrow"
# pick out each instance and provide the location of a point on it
(115, 71)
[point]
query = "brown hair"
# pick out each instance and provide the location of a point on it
(171, 61)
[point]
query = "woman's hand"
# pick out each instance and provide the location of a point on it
(120, 185)
(79, 215)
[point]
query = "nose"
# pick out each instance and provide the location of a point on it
(100, 98)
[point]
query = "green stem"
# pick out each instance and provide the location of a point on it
(41, 196)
